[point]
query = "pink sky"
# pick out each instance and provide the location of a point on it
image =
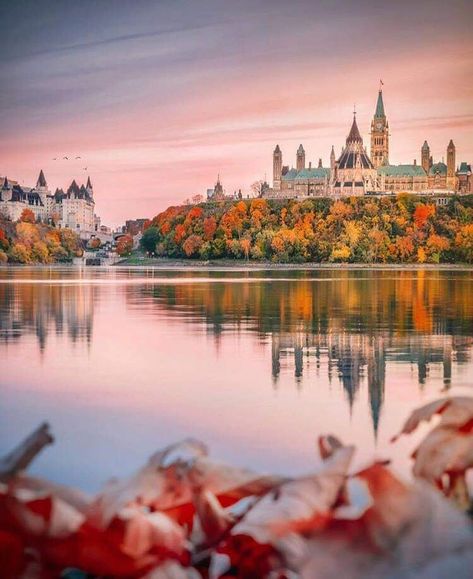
(158, 98)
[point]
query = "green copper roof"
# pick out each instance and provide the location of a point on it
(305, 174)
(380, 106)
(464, 168)
(440, 168)
(401, 171)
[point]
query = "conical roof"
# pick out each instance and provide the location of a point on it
(89, 184)
(41, 182)
(380, 106)
(354, 135)
(277, 149)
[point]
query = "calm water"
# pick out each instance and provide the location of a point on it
(256, 364)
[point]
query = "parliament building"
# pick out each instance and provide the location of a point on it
(356, 172)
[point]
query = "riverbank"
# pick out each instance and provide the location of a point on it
(225, 264)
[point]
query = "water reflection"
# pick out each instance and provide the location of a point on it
(349, 325)
(39, 310)
(353, 323)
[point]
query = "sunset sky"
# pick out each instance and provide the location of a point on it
(158, 97)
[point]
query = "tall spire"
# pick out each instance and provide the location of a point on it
(379, 114)
(41, 182)
(354, 135)
(89, 184)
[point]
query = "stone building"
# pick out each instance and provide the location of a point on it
(356, 172)
(73, 209)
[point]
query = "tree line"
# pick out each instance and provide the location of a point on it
(29, 242)
(401, 229)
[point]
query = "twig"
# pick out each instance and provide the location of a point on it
(21, 456)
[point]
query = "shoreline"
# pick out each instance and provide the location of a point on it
(239, 265)
(224, 265)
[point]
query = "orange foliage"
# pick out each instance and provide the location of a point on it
(192, 245)
(210, 226)
(422, 213)
(125, 245)
(27, 216)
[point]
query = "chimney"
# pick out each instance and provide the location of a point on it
(310, 164)
(415, 161)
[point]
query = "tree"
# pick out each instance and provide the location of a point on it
(210, 227)
(39, 252)
(27, 216)
(258, 188)
(27, 233)
(192, 245)
(422, 213)
(4, 243)
(246, 246)
(94, 243)
(125, 245)
(149, 240)
(19, 253)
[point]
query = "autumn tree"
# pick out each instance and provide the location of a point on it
(192, 245)
(27, 216)
(125, 245)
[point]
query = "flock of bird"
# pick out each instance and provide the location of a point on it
(67, 159)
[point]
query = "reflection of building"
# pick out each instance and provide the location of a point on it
(357, 173)
(73, 209)
(361, 358)
(55, 309)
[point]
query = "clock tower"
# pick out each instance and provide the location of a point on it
(379, 134)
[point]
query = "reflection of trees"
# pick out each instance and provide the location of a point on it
(39, 309)
(356, 322)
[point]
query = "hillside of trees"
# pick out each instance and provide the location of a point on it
(401, 229)
(29, 242)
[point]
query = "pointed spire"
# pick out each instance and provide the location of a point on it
(354, 135)
(300, 149)
(425, 146)
(451, 146)
(380, 106)
(5, 183)
(41, 182)
(277, 149)
(89, 184)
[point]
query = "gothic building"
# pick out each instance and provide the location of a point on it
(356, 172)
(379, 135)
(73, 209)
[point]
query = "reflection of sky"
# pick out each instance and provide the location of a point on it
(151, 370)
(157, 97)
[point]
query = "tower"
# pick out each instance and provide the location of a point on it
(332, 159)
(89, 188)
(451, 166)
(300, 164)
(379, 135)
(41, 182)
(277, 167)
(425, 156)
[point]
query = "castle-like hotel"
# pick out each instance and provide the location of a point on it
(73, 209)
(357, 173)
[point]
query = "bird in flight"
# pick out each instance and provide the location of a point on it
(77, 157)
(85, 168)
(66, 158)
(55, 159)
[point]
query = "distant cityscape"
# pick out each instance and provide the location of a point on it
(355, 172)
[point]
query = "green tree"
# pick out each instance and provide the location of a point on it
(149, 240)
